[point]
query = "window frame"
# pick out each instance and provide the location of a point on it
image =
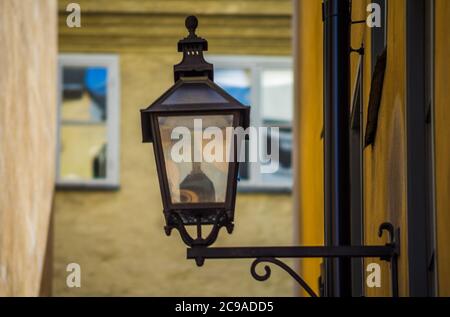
(111, 63)
(256, 64)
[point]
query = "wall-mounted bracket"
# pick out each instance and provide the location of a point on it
(388, 252)
(361, 51)
(359, 21)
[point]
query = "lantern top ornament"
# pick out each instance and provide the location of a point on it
(192, 46)
(191, 24)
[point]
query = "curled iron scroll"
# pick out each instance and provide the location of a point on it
(268, 271)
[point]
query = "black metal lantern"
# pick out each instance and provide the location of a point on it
(198, 192)
(195, 192)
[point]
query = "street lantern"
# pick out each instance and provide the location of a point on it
(199, 191)
(196, 190)
(198, 184)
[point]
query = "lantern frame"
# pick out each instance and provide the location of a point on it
(194, 73)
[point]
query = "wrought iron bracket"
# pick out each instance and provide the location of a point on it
(271, 255)
(359, 21)
(361, 50)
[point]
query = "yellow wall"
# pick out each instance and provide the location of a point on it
(118, 237)
(308, 154)
(384, 172)
(385, 168)
(442, 143)
(260, 27)
(28, 42)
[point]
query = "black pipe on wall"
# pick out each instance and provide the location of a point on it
(337, 23)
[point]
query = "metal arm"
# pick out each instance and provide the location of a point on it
(388, 252)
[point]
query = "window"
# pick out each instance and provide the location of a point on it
(265, 83)
(88, 121)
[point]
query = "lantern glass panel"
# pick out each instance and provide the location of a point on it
(196, 151)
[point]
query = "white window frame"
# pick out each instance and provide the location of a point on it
(256, 64)
(111, 63)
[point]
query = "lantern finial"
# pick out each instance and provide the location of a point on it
(191, 24)
(192, 46)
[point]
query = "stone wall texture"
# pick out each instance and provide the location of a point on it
(28, 42)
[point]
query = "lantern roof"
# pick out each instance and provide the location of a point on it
(192, 94)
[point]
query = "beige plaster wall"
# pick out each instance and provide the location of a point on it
(118, 237)
(28, 42)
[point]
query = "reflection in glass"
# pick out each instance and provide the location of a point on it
(83, 143)
(199, 177)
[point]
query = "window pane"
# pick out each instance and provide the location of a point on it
(236, 82)
(201, 181)
(83, 136)
(277, 109)
(83, 151)
(277, 96)
(284, 172)
(273, 108)
(84, 94)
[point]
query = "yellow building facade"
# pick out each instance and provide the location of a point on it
(385, 162)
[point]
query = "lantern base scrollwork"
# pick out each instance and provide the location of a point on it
(221, 219)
